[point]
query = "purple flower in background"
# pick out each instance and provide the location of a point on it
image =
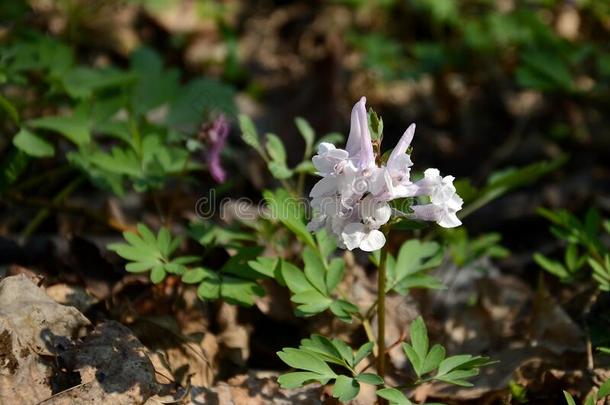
(215, 135)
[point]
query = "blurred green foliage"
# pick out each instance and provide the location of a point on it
(123, 126)
(517, 42)
(584, 247)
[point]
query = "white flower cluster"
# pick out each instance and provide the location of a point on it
(351, 199)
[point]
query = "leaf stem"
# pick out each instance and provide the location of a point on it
(366, 324)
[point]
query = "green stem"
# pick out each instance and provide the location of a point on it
(301, 183)
(44, 213)
(381, 279)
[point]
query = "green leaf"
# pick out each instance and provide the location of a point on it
(145, 251)
(305, 167)
(457, 377)
(249, 134)
(433, 359)
(571, 257)
(413, 357)
(267, 266)
(346, 388)
(544, 70)
(590, 399)
(139, 267)
(394, 396)
(163, 241)
(414, 257)
(552, 266)
(157, 274)
(275, 148)
(32, 144)
(419, 337)
(327, 244)
(75, 128)
(315, 270)
(134, 254)
(14, 163)
(344, 310)
(277, 153)
(335, 274)
(240, 291)
(279, 170)
(209, 289)
(569, 398)
(199, 98)
(346, 352)
(284, 208)
(502, 181)
(184, 259)
(81, 82)
(10, 109)
(363, 352)
(194, 276)
(418, 280)
(456, 368)
(175, 268)
(294, 277)
(375, 124)
(303, 360)
(307, 133)
(369, 378)
(323, 348)
(604, 390)
(297, 379)
(592, 223)
(148, 68)
(238, 263)
(312, 302)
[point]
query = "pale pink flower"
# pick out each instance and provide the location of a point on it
(351, 199)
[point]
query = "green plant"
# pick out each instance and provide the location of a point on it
(584, 247)
(120, 128)
(315, 355)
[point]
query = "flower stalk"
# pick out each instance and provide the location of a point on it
(381, 279)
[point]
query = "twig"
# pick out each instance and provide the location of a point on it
(62, 392)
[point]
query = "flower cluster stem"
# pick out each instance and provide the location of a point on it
(381, 279)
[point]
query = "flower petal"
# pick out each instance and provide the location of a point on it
(403, 144)
(324, 187)
(353, 140)
(374, 213)
(425, 212)
(367, 156)
(374, 240)
(352, 235)
(325, 147)
(449, 220)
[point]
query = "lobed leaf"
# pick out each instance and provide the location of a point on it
(346, 388)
